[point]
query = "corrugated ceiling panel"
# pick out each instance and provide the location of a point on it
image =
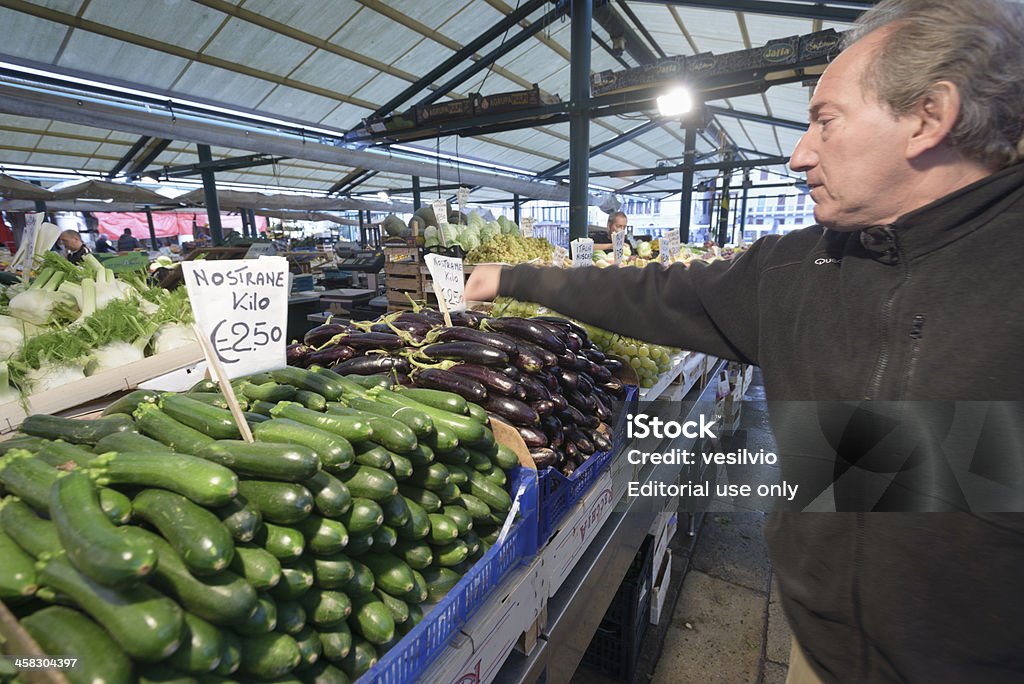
(738, 134)
(434, 14)
(488, 83)
(752, 104)
(222, 86)
(788, 140)
(764, 28)
(58, 160)
(76, 130)
(68, 6)
(15, 139)
(118, 136)
(790, 101)
(27, 122)
(297, 104)
(463, 25)
(345, 116)
(14, 156)
(376, 36)
(382, 88)
(258, 48)
(187, 25)
(31, 38)
(107, 150)
(662, 25)
(327, 70)
(712, 30)
(321, 18)
(116, 59)
(419, 55)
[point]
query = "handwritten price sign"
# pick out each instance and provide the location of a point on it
(673, 242)
(449, 281)
(664, 258)
(561, 256)
(618, 246)
(242, 309)
(527, 226)
(582, 252)
(463, 198)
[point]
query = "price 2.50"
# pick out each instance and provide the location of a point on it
(232, 338)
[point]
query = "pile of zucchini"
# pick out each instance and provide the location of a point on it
(155, 545)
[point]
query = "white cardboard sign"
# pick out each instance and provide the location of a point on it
(463, 199)
(242, 309)
(526, 228)
(582, 252)
(664, 258)
(673, 242)
(618, 246)
(449, 280)
(561, 256)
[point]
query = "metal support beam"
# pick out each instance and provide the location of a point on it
(686, 198)
(757, 118)
(231, 164)
(723, 208)
(643, 29)
(804, 9)
(351, 181)
(604, 147)
(152, 228)
(612, 22)
(252, 222)
(210, 194)
(743, 204)
(517, 209)
(244, 215)
(128, 156)
(417, 197)
(148, 156)
(579, 121)
(461, 56)
(715, 166)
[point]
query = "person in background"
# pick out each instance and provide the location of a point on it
(103, 245)
(74, 249)
(617, 221)
(127, 242)
(894, 303)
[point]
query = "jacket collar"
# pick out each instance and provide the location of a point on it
(948, 218)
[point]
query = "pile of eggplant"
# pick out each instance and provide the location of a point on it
(542, 374)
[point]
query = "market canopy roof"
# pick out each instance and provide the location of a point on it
(102, 190)
(12, 188)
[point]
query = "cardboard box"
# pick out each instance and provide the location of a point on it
(667, 524)
(659, 589)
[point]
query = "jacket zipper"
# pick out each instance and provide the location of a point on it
(883, 356)
(916, 334)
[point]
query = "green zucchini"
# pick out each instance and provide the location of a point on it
(209, 420)
(28, 478)
(398, 608)
(200, 539)
(421, 457)
(430, 501)
(389, 433)
(472, 541)
(283, 503)
(390, 573)
(26, 442)
(442, 439)
(497, 477)
(240, 518)
(352, 428)
(230, 656)
(490, 535)
(259, 567)
(417, 421)
(336, 641)
(396, 511)
(308, 643)
(265, 460)
(325, 608)
(505, 458)
(438, 399)
(205, 385)
(269, 655)
(332, 572)
(373, 455)
(216, 399)
(283, 543)
(296, 580)
(494, 496)
(382, 380)
(325, 673)
(451, 554)
(305, 379)
(311, 400)
(74, 430)
(465, 428)
(479, 461)
(419, 592)
(457, 474)
(439, 582)
(154, 423)
(401, 467)
(324, 536)
(162, 674)
(262, 408)
(371, 619)
(201, 647)
(384, 539)
(221, 599)
(364, 517)
(146, 624)
(416, 554)
(254, 419)
(330, 495)
(362, 581)
(63, 455)
(477, 508)
(460, 516)
(433, 477)
(458, 457)
(261, 620)
(361, 657)
(359, 544)
(369, 483)
(17, 571)
(130, 441)
(94, 545)
(334, 451)
(61, 631)
(418, 525)
(442, 529)
(291, 617)
(268, 391)
(415, 614)
(32, 533)
(477, 413)
(449, 493)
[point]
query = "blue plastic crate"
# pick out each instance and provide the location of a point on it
(559, 493)
(421, 646)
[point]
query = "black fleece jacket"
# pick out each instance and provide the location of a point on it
(928, 308)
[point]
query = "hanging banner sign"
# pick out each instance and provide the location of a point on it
(619, 246)
(526, 228)
(241, 307)
(673, 242)
(449, 280)
(582, 252)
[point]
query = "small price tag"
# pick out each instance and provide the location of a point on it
(673, 242)
(463, 198)
(664, 258)
(526, 228)
(449, 280)
(440, 208)
(561, 256)
(241, 308)
(582, 252)
(618, 246)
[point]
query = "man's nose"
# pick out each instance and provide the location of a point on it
(804, 157)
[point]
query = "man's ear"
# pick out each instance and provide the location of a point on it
(935, 115)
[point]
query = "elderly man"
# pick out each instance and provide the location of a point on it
(74, 249)
(900, 294)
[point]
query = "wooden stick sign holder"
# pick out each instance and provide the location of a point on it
(214, 364)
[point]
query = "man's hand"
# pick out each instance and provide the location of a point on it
(482, 285)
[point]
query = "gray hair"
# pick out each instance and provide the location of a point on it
(978, 45)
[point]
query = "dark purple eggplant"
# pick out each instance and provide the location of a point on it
(574, 342)
(322, 333)
(417, 331)
(469, 319)
(491, 379)
(582, 442)
(435, 378)
(601, 441)
(584, 404)
(568, 379)
(402, 379)
(573, 416)
(511, 371)
(467, 352)
(373, 364)
(297, 354)
(549, 380)
(613, 365)
(370, 340)
(534, 389)
(599, 372)
(564, 324)
(594, 354)
(572, 454)
(559, 401)
(547, 357)
(512, 410)
(544, 407)
(566, 359)
(527, 361)
(496, 340)
(533, 437)
(552, 427)
(601, 410)
(525, 329)
(329, 356)
(615, 388)
(585, 384)
(543, 457)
